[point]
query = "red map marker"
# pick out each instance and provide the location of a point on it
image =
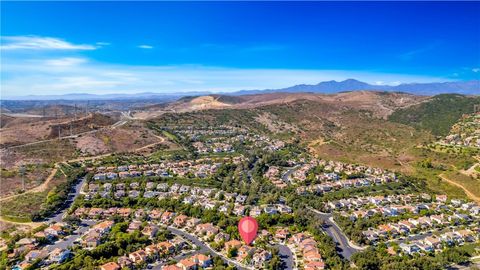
(248, 227)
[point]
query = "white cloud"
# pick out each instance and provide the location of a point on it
(66, 61)
(40, 43)
(395, 83)
(476, 70)
(74, 75)
(145, 46)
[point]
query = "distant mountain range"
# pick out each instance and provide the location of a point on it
(85, 96)
(328, 87)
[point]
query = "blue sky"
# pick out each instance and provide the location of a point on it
(126, 47)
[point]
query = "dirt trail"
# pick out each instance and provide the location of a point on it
(471, 171)
(33, 225)
(469, 194)
(42, 187)
(162, 140)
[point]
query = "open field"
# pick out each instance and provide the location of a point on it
(470, 185)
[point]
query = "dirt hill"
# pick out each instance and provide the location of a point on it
(381, 104)
(21, 130)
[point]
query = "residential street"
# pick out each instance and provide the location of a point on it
(159, 265)
(68, 241)
(286, 175)
(203, 247)
(331, 228)
(287, 257)
(57, 217)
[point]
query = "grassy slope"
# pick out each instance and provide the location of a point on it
(436, 115)
(23, 207)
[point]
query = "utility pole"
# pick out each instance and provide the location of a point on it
(59, 141)
(22, 171)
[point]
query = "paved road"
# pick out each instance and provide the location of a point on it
(24, 115)
(203, 247)
(346, 250)
(68, 241)
(57, 217)
(411, 238)
(287, 257)
(464, 267)
(159, 264)
(423, 235)
(286, 175)
(84, 226)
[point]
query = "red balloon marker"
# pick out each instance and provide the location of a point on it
(248, 227)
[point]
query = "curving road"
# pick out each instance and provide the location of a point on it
(286, 256)
(286, 176)
(347, 248)
(205, 248)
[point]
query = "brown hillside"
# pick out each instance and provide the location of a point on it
(381, 104)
